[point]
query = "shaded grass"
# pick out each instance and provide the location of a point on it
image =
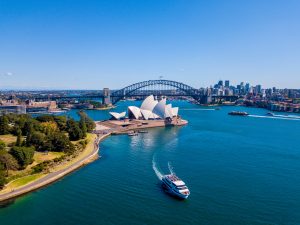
(8, 139)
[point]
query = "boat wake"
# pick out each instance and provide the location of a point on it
(156, 170)
(277, 117)
(287, 116)
(197, 109)
(170, 168)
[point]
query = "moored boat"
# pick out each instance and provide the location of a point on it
(238, 113)
(142, 131)
(132, 133)
(175, 186)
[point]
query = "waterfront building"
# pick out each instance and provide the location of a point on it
(150, 109)
(35, 107)
(118, 116)
(18, 109)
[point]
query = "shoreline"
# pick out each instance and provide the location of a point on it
(55, 176)
(52, 177)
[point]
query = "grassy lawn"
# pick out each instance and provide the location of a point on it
(40, 156)
(20, 182)
(8, 138)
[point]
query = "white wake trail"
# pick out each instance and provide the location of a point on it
(156, 170)
(197, 109)
(272, 117)
(171, 168)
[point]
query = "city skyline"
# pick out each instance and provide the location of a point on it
(79, 45)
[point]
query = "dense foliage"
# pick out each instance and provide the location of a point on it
(44, 133)
(97, 104)
(24, 155)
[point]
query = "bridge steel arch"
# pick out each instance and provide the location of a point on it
(127, 91)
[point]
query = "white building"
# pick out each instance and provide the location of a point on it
(150, 109)
(118, 116)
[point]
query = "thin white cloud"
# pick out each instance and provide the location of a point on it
(6, 74)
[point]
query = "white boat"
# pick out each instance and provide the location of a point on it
(175, 186)
(132, 133)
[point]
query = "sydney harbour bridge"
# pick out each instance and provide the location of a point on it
(142, 89)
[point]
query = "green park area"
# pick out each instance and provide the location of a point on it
(31, 147)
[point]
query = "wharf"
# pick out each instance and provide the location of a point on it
(124, 126)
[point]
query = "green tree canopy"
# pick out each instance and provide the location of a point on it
(9, 162)
(2, 179)
(2, 145)
(24, 155)
(59, 142)
(74, 130)
(89, 123)
(4, 127)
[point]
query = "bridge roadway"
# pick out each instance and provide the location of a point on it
(54, 98)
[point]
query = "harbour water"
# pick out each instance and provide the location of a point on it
(240, 170)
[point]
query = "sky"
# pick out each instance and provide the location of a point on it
(80, 44)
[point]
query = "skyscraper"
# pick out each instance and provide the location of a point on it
(227, 83)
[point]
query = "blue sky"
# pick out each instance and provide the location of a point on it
(94, 44)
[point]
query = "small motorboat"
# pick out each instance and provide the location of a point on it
(132, 133)
(142, 131)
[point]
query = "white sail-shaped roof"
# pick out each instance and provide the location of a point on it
(149, 103)
(159, 109)
(175, 111)
(168, 111)
(117, 116)
(147, 114)
(136, 112)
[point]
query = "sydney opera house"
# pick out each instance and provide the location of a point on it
(150, 109)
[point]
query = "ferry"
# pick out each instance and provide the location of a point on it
(132, 133)
(175, 186)
(237, 113)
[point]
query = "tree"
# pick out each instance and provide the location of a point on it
(45, 118)
(19, 138)
(2, 145)
(29, 131)
(73, 129)
(82, 126)
(49, 127)
(61, 122)
(2, 179)
(37, 139)
(9, 162)
(24, 155)
(90, 124)
(59, 142)
(4, 127)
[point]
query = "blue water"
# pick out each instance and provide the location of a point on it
(240, 170)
